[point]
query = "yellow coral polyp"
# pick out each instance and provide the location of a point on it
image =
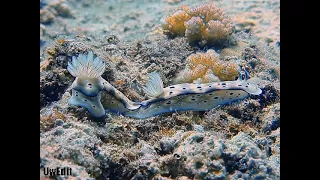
(206, 59)
(199, 71)
(194, 29)
(226, 71)
(208, 12)
(217, 31)
(205, 25)
(202, 65)
(175, 23)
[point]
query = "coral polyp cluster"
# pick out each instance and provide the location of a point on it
(207, 67)
(204, 25)
(175, 23)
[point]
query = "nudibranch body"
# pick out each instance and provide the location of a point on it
(91, 91)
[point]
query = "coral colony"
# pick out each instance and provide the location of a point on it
(88, 87)
(207, 67)
(205, 25)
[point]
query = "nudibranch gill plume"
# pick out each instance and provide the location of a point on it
(92, 92)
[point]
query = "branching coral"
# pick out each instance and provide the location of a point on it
(208, 67)
(204, 25)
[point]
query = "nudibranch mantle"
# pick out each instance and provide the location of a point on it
(91, 91)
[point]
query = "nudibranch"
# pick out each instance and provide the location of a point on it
(92, 92)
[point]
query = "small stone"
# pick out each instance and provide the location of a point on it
(59, 131)
(197, 137)
(111, 47)
(198, 128)
(46, 16)
(66, 126)
(217, 152)
(75, 172)
(58, 122)
(166, 145)
(88, 131)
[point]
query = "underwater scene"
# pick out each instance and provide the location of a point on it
(160, 89)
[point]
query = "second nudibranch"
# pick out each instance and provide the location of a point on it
(91, 91)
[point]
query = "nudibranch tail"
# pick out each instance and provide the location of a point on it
(251, 88)
(86, 66)
(245, 85)
(154, 86)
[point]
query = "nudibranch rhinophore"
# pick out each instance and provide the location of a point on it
(91, 91)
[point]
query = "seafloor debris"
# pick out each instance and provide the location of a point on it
(204, 156)
(192, 154)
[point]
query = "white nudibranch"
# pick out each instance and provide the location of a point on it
(88, 87)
